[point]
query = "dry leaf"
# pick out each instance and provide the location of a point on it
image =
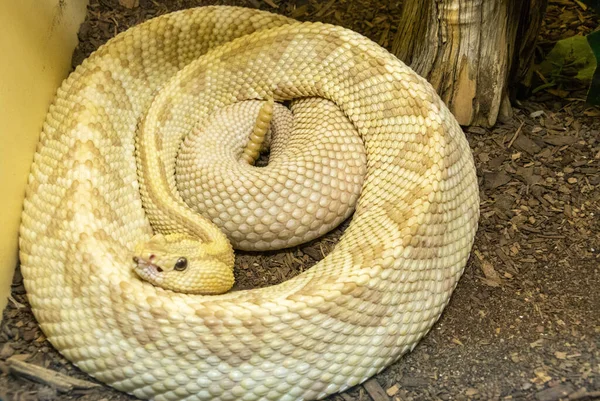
(492, 278)
(541, 376)
(537, 343)
(471, 392)
(560, 355)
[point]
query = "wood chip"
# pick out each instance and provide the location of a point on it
(375, 390)
(526, 144)
(554, 393)
(559, 140)
(313, 253)
(408, 381)
(495, 180)
(392, 391)
(6, 351)
(129, 3)
(62, 383)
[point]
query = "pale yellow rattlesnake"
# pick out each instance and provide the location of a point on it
(358, 310)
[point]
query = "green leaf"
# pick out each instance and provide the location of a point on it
(593, 96)
(570, 58)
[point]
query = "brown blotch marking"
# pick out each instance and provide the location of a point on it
(196, 85)
(74, 111)
(367, 253)
(345, 308)
(56, 225)
(198, 33)
(237, 59)
(273, 52)
(328, 49)
(147, 331)
(118, 95)
(166, 46)
(75, 269)
(230, 352)
(341, 308)
(424, 162)
(95, 159)
(360, 72)
(255, 326)
(390, 108)
(158, 142)
(159, 313)
(113, 245)
(71, 277)
(165, 113)
(377, 62)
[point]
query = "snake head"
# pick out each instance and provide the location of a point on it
(181, 263)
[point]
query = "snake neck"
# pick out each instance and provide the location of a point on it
(167, 212)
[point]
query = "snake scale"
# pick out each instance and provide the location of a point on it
(358, 310)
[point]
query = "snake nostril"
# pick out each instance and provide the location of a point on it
(152, 257)
(158, 269)
(135, 259)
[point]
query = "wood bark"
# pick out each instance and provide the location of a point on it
(470, 50)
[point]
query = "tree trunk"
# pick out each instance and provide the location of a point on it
(470, 50)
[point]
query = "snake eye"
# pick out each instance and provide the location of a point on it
(181, 264)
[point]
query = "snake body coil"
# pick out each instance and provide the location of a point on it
(358, 310)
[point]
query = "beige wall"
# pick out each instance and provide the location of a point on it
(37, 38)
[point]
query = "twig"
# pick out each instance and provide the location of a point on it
(62, 383)
(585, 395)
(271, 3)
(516, 134)
(15, 302)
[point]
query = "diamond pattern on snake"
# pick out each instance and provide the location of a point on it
(140, 189)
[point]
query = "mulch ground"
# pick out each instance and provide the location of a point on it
(524, 322)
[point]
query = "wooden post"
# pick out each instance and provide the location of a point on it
(470, 50)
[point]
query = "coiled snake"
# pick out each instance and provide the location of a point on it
(358, 310)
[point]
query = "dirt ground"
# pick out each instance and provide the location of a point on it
(524, 322)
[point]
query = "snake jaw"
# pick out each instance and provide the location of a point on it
(147, 270)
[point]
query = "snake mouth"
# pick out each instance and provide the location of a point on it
(146, 269)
